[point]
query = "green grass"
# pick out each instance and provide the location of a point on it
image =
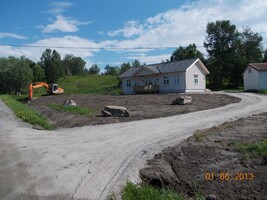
(71, 109)
(25, 113)
(135, 192)
(97, 84)
(199, 136)
(263, 91)
(258, 148)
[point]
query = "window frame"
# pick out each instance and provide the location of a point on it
(128, 83)
(166, 80)
(196, 80)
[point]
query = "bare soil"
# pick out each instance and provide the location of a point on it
(183, 168)
(139, 106)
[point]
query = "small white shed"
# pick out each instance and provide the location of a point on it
(179, 76)
(255, 76)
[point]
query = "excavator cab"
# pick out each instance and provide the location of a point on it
(54, 89)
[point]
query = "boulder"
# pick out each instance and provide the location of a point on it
(115, 111)
(182, 100)
(69, 103)
(38, 127)
(106, 113)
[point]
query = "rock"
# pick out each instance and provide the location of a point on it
(106, 113)
(182, 100)
(115, 111)
(38, 127)
(211, 197)
(69, 103)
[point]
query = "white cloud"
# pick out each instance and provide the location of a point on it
(143, 58)
(11, 35)
(64, 45)
(131, 28)
(59, 7)
(187, 24)
(63, 24)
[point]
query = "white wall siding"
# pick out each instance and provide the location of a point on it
(191, 86)
(172, 86)
(251, 79)
(263, 80)
(125, 89)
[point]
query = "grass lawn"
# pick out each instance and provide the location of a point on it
(25, 113)
(72, 109)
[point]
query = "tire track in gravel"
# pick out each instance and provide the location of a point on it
(91, 162)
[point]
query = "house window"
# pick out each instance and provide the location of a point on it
(249, 70)
(166, 80)
(176, 80)
(128, 83)
(196, 79)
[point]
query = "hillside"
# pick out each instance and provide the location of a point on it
(97, 84)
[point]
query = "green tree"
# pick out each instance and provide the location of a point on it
(38, 73)
(124, 67)
(15, 74)
(52, 65)
(248, 50)
(94, 69)
(222, 43)
(136, 63)
(252, 47)
(265, 56)
(188, 52)
(112, 70)
(73, 65)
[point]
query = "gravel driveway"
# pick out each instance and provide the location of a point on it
(93, 161)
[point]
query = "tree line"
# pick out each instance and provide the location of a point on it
(229, 52)
(17, 73)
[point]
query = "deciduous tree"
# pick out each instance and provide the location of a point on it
(52, 65)
(188, 52)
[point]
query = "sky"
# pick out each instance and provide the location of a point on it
(116, 31)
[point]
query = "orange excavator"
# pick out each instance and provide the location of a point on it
(50, 88)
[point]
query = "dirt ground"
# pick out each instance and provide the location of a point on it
(139, 106)
(183, 168)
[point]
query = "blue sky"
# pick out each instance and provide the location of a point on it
(115, 31)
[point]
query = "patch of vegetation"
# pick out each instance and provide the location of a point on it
(197, 191)
(257, 91)
(263, 91)
(199, 136)
(145, 192)
(71, 109)
(97, 84)
(25, 113)
(258, 148)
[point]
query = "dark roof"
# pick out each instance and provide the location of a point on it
(168, 67)
(259, 66)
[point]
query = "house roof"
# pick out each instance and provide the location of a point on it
(168, 67)
(259, 66)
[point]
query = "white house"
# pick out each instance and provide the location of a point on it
(255, 76)
(178, 76)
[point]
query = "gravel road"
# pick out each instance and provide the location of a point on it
(93, 161)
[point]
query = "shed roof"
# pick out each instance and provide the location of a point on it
(168, 67)
(259, 66)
